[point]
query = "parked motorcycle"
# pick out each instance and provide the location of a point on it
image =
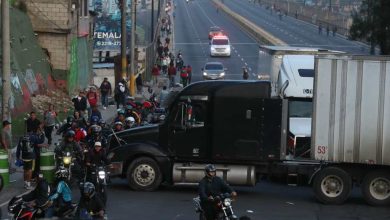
(223, 203)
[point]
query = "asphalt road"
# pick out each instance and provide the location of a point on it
(268, 201)
(192, 24)
(292, 31)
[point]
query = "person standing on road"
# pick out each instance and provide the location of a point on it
(49, 119)
(120, 94)
(189, 71)
(163, 97)
(334, 30)
(25, 152)
(92, 98)
(37, 139)
(80, 103)
(6, 141)
(171, 75)
(139, 84)
(32, 122)
(105, 91)
(155, 73)
(320, 28)
(327, 30)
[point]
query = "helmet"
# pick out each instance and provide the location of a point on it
(62, 173)
(102, 123)
(94, 119)
(98, 143)
(88, 189)
(130, 121)
(209, 168)
(147, 104)
(70, 133)
(96, 129)
(69, 119)
(118, 123)
(121, 112)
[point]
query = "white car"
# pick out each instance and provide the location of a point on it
(220, 46)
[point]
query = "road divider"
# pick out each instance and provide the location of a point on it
(259, 34)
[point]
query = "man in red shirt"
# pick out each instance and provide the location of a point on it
(92, 98)
(155, 73)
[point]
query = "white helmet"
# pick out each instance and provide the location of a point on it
(130, 120)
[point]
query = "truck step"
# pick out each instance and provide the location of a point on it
(292, 179)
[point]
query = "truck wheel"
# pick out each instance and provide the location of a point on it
(144, 174)
(376, 188)
(332, 185)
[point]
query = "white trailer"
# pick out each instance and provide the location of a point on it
(351, 127)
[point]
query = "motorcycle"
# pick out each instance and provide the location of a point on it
(19, 209)
(224, 207)
(101, 181)
(66, 161)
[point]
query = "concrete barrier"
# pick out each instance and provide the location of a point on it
(259, 34)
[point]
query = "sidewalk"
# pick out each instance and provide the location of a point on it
(17, 187)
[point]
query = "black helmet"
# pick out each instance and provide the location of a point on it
(69, 119)
(96, 129)
(210, 168)
(102, 123)
(70, 133)
(88, 189)
(62, 173)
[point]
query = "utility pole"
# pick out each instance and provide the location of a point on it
(152, 23)
(6, 63)
(132, 48)
(123, 39)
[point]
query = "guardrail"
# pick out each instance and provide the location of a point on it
(259, 34)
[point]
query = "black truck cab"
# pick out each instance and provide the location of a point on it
(233, 124)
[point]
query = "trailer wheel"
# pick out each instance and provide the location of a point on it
(332, 185)
(144, 174)
(376, 188)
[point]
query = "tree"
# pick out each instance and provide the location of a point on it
(372, 23)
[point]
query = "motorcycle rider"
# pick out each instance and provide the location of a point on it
(184, 76)
(209, 187)
(65, 127)
(70, 145)
(90, 203)
(39, 197)
(96, 157)
(118, 126)
(245, 74)
(130, 122)
(63, 194)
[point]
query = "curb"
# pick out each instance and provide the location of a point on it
(256, 32)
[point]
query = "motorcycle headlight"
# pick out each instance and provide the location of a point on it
(102, 174)
(222, 74)
(204, 74)
(227, 202)
(67, 160)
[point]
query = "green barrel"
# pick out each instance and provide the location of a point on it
(4, 171)
(47, 165)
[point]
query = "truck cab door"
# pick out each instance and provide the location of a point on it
(188, 130)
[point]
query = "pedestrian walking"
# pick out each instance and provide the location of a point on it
(163, 97)
(164, 65)
(189, 71)
(327, 30)
(167, 41)
(334, 30)
(320, 28)
(25, 153)
(32, 122)
(92, 97)
(105, 91)
(49, 120)
(121, 92)
(155, 73)
(171, 74)
(6, 142)
(37, 139)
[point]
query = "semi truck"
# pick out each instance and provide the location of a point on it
(242, 129)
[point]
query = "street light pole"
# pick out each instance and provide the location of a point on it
(6, 61)
(123, 39)
(132, 48)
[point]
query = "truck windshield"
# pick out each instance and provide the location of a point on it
(220, 42)
(300, 108)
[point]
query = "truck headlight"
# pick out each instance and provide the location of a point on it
(227, 202)
(204, 74)
(102, 174)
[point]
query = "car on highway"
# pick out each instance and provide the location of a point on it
(215, 30)
(213, 71)
(220, 46)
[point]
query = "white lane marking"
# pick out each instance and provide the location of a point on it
(193, 27)
(208, 18)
